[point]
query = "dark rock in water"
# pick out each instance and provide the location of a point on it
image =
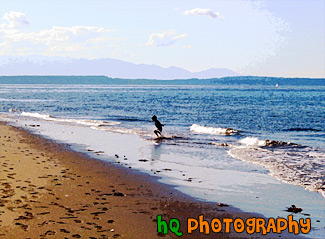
(224, 144)
(294, 209)
(33, 125)
(275, 143)
(222, 204)
(230, 131)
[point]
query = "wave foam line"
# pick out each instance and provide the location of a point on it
(251, 141)
(210, 130)
(75, 121)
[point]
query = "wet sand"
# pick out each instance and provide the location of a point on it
(49, 191)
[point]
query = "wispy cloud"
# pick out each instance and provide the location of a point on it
(64, 34)
(163, 39)
(15, 20)
(54, 41)
(203, 12)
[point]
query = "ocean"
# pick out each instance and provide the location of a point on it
(256, 143)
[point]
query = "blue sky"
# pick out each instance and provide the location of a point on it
(268, 38)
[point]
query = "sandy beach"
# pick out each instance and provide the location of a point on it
(142, 120)
(49, 191)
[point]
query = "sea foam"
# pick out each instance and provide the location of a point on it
(210, 130)
(290, 163)
(96, 123)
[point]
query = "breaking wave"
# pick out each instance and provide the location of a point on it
(210, 130)
(252, 141)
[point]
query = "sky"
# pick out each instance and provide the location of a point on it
(282, 38)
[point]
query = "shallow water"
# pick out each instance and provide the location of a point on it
(215, 125)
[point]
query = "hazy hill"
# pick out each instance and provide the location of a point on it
(41, 65)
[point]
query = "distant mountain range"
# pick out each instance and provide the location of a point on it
(42, 65)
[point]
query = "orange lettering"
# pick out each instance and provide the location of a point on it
(239, 225)
(305, 227)
(227, 221)
(271, 225)
(191, 228)
(213, 223)
(281, 227)
(292, 225)
(260, 224)
(204, 224)
(250, 222)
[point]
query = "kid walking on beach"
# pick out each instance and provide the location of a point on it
(158, 125)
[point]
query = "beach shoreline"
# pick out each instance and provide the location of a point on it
(51, 191)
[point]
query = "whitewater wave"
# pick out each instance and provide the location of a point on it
(252, 141)
(210, 130)
(36, 115)
(302, 166)
(48, 117)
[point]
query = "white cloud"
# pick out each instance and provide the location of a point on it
(167, 38)
(55, 41)
(203, 12)
(57, 37)
(65, 34)
(16, 20)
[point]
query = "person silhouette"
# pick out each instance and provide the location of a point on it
(158, 125)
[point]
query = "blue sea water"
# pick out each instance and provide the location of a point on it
(244, 126)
